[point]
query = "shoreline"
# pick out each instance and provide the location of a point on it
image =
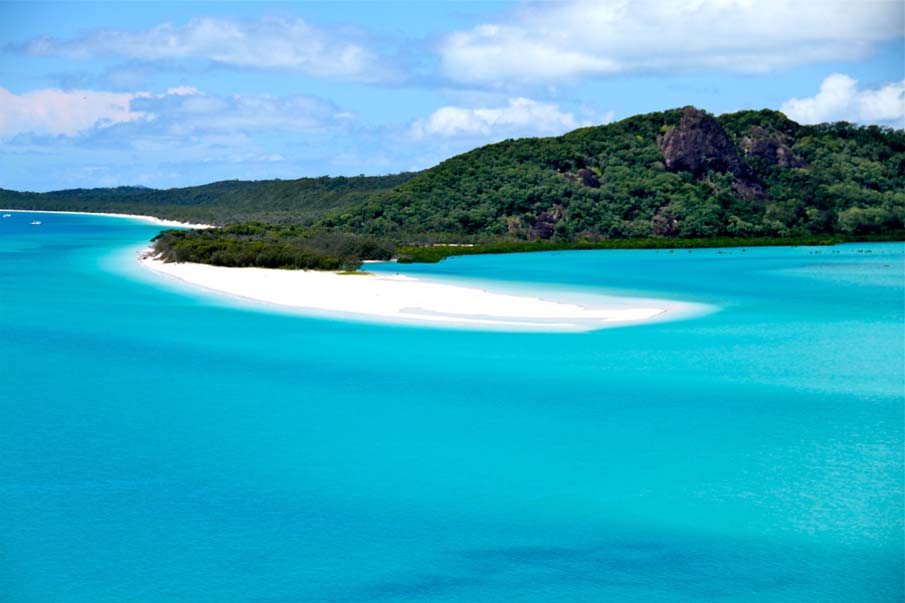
(148, 219)
(402, 299)
(431, 254)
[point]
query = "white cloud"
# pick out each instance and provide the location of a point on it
(520, 117)
(273, 43)
(64, 112)
(550, 42)
(185, 114)
(183, 91)
(180, 111)
(840, 100)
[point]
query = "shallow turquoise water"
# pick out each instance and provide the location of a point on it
(157, 446)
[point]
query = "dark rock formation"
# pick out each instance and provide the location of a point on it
(545, 224)
(584, 177)
(749, 188)
(664, 223)
(513, 225)
(771, 148)
(588, 178)
(700, 145)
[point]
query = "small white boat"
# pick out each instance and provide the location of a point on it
(36, 222)
(7, 215)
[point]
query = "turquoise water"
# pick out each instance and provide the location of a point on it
(157, 446)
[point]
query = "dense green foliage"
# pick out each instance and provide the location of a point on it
(271, 246)
(231, 201)
(846, 179)
(669, 179)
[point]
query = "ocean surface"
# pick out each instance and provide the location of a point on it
(160, 446)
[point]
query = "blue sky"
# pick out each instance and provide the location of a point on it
(174, 94)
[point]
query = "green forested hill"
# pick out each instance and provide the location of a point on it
(679, 173)
(678, 177)
(226, 202)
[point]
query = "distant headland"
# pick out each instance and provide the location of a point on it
(677, 178)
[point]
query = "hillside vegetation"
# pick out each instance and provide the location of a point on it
(228, 202)
(679, 174)
(674, 178)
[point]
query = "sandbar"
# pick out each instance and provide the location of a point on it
(399, 298)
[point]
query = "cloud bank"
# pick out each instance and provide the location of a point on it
(555, 42)
(64, 112)
(519, 117)
(283, 44)
(839, 99)
(178, 112)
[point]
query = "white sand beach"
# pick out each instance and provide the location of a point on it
(147, 219)
(400, 298)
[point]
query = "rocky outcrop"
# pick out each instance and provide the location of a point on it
(588, 178)
(514, 225)
(545, 224)
(664, 223)
(769, 147)
(584, 177)
(699, 144)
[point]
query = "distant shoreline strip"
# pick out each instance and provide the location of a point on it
(148, 219)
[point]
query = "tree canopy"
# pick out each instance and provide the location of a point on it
(673, 176)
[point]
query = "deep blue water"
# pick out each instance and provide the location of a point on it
(158, 446)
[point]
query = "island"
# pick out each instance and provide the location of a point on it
(677, 178)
